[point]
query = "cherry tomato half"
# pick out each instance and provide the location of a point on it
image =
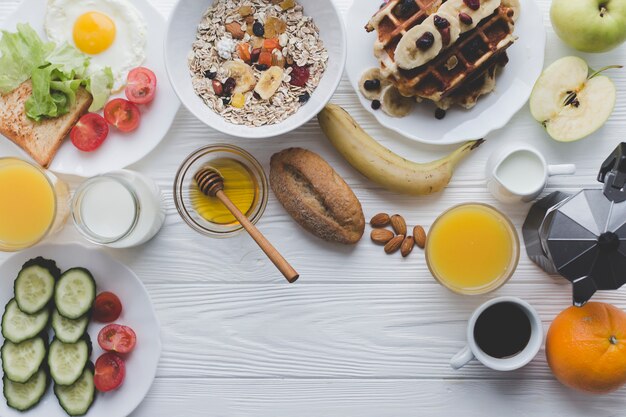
(141, 86)
(122, 114)
(110, 372)
(107, 307)
(117, 338)
(89, 133)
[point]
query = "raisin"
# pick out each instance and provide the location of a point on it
(445, 36)
(425, 41)
(440, 22)
(466, 19)
(226, 101)
(304, 98)
(258, 29)
(262, 67)
(440, 114)
(256, 95)
(472, 4)
(376, 104)
(210, 74)
(371, 85)
(229, 86)
(254, 55)
(405, 9)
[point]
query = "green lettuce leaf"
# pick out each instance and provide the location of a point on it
(99, 84)
(20, 53)
(70, 61)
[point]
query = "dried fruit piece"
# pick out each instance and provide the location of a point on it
(445, 36)
(274, 27)
(265, 58)
(229, 86)
(234, 29)
(238, 100)
(376, 104)
(472, 4)
(398, 224)
(245, 11)
(210, 74)
(420, 236)
(407, 246)
(269, 82)
(299, 76)
(372, 85)
(303, 98)
(278, 60)
(218, 88)
(440, 114)
(241, 74)
(254, 55)
(425, 41)
(243, 49)
(258, 29)
(380, 220)
(287, 4)
(394, 244)
(381, 236)
(440, 22)
(405, 9)
(466, 19)
(271, 44)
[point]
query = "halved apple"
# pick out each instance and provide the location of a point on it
(569, 102)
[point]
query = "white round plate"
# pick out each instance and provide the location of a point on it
(137, 312)
(120, 149)
(493, 111)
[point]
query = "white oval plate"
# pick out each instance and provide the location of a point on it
(137, 312)
(493, 111)
(120, 149)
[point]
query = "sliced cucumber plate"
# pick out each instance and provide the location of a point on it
(68, 330)
(24, 396)
(20, 361)
(76, 399)
(18, 326)
(67, 360)
(34, 285)
(74, 293)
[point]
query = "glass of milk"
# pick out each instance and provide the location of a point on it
(120, 209)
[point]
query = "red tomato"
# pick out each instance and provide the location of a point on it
(141, 86)
(110, 372)
(89, 133)
(117, 338)
(122, 114)
(107, 307)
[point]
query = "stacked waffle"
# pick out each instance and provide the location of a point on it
(444, 51)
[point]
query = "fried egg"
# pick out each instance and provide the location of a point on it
(112, 32)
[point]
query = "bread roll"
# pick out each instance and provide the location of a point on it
(316, 196)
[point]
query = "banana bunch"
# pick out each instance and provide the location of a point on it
(381, 165)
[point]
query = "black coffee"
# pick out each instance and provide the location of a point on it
(502, 330)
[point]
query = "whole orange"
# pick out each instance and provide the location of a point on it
(586, 347)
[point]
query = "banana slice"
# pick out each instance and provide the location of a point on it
(515, 5)
(395, 104)
(372, 74)
(243, 75)
(269, 82)
(408, 55)
(455, 7)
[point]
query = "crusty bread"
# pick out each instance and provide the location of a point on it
(40, 140)
(316, 196)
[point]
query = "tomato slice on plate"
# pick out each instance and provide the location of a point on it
(122, 114)
(89, 133)
(117, 338)
(110, 372)
(140, 86)
(107, 307)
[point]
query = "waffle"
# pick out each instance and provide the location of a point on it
(469, 57)
(467, 95)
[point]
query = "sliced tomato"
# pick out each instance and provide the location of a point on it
(122, 114)
(141, 86)
(107, 307)
(110, 372)
(117, 338)
(89, 133)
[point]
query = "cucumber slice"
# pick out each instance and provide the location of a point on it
(74, 293)
(68, 330)
(25, 396)
(18, 326)
(20, 361)
(34, 285)
(76, 399)
(67, 360)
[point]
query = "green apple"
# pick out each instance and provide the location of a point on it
(570, 103)
(590, 25)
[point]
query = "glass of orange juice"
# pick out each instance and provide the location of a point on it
(33, 204)
(472, 249)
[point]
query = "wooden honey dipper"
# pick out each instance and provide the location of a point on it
(211, 183)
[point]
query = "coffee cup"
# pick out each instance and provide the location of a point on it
(519, 173)
(503, 334)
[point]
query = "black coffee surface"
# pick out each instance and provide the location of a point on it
(502, 330)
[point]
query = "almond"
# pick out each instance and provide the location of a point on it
(407, 246)
(419, 236)
(398, 224)
(394, 244)
(380, 220)
(381, 236)
(234, 29)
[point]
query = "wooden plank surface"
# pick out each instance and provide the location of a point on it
(361, 333)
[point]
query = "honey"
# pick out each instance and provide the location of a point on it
(240, 186)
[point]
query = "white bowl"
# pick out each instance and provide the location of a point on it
(181, 33)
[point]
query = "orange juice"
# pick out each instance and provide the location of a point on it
(27, 204)
(472, 249)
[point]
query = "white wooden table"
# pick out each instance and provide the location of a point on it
(361, 333)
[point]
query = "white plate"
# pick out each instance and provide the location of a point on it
(181, 34)
(137, 312)
(493, 111)
(120, 149)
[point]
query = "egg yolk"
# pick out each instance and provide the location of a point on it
(94, 32)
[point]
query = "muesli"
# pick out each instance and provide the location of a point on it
(255, 62)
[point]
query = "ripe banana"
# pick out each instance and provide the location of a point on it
(381, 165)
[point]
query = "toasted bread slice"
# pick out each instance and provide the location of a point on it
(40, 140)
